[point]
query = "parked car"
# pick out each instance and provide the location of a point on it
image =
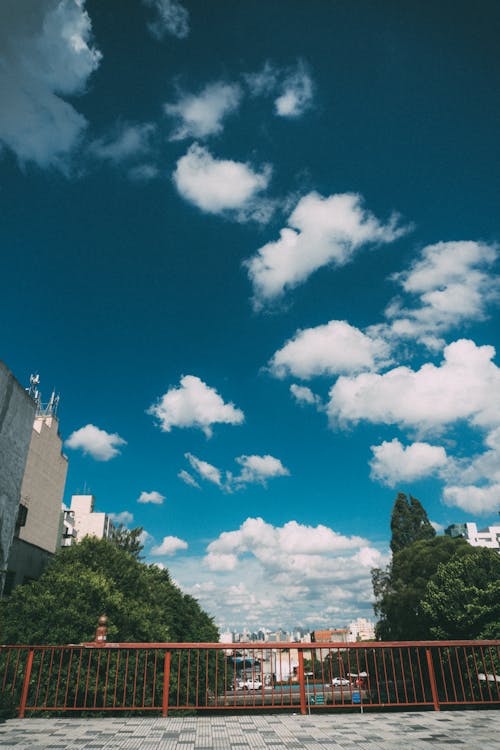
(250, 684)
(338, 681)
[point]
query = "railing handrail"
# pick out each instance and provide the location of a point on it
(282, 645)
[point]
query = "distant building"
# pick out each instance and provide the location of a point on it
(86, 521)
(488, 537)
(68, 531)
(334, 635)
(38, 530)
(17, 412)
(361, 630)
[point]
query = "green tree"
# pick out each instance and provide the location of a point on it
(462, 601)
(96, 577)
(409, 523)
(128, 540)
(400, 588)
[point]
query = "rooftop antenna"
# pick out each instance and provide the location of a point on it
(47, 410)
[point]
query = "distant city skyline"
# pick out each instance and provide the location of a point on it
(254, 247)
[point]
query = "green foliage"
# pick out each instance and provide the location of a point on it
(96, 577)
(400, 588)
(409, 523)
(462, 601)
(128, 540)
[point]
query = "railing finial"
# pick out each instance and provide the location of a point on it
(101, 633)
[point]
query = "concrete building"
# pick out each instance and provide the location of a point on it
(334, 635)
(488, 537)
(17, 411)
(86, 521)
(361, 630)
(37, 535)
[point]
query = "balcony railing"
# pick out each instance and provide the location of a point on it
(162, 677)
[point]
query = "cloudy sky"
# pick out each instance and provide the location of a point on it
(255, 248)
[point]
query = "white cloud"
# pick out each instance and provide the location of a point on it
(259, 469)
(169, 546)
(321, 231)
(97, 443)
(453, 286)
(127, 141)
(187, 478)
(151, 497)
(47, 54)
(171, 18)
(303, 395)
(204, 469)
(273, 573)
(194, 404)
(264, 81)
(392, 463)
(143, 172)
(292, 87)
(474, 499)
(122, 518)
(201, 115)
(219, 185)
(297, 93)
(330, 349)
(466, 386)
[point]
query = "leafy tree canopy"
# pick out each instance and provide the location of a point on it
(409, 523)
(96, 577)
(462, 601)
(129, 540)
(400, 588)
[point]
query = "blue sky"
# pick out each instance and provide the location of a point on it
(254, 246)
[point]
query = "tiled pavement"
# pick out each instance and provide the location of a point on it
(391, 731)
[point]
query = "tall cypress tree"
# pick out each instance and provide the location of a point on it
(409, 523)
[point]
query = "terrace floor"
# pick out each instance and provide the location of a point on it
(390, 731)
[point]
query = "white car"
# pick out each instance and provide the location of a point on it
(338, 681)
(250, 684)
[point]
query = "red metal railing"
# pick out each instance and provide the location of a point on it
(160, 677)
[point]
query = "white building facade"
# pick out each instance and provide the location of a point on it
(488, 537)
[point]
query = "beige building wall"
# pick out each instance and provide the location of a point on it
(43, 485)
(88, 523)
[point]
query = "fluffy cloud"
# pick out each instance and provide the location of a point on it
(466, 386)
(169, 546)
(194, 404)
(452, 283)
(303, 395)
(127, 141)
(204, 469)
(321, 231)
(392, 463)
(330, 349)
(171, 18)
(297, 93)
(254, 469)
(187, 478)
(97, 443)
(47, 54)
(218, 185)
(474, 499)
(201, 115)
(123, 518)
(293, 87)
(259, 469)
(151, 497)
(270, 573)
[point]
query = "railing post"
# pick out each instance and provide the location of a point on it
(303, 705)
(26, 683)
(166, 683)
(432, 679)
